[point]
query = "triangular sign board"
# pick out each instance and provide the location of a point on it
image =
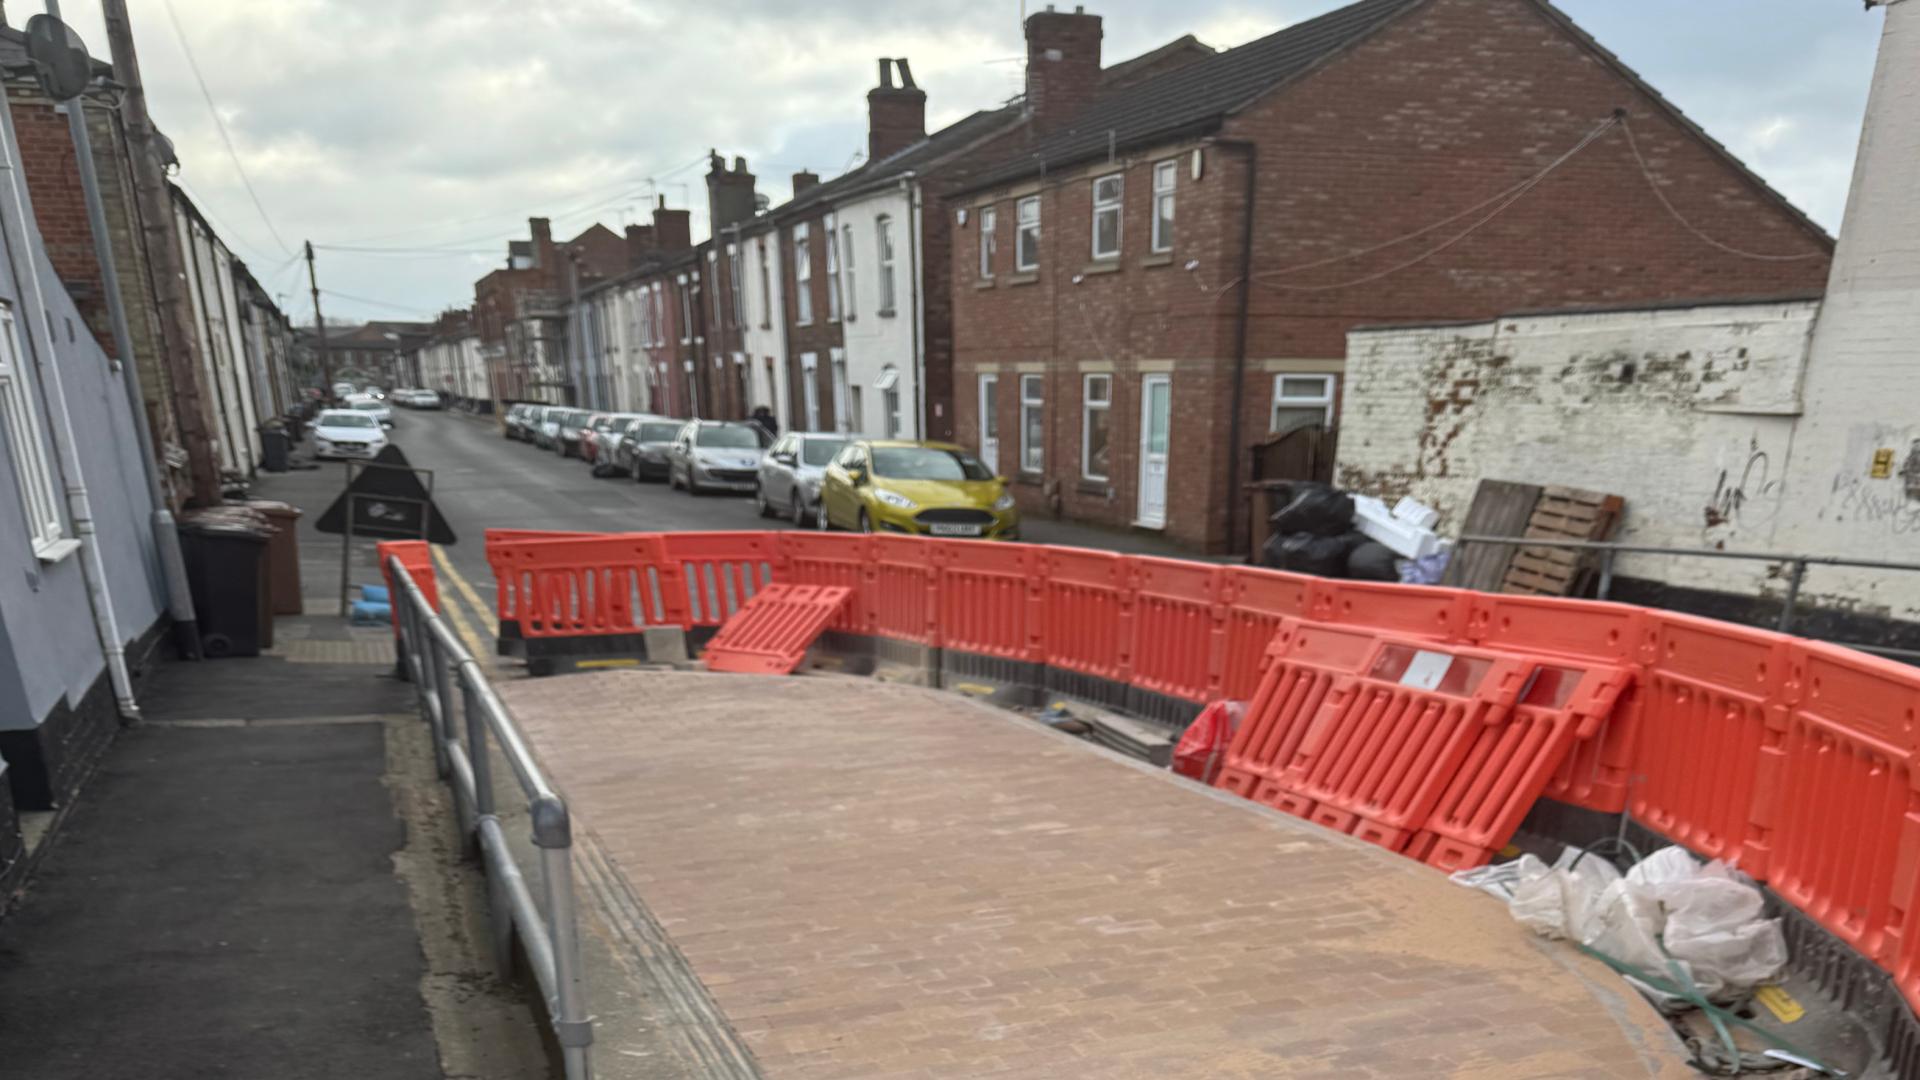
(388, 502)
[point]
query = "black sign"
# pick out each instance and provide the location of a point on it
(387, 502)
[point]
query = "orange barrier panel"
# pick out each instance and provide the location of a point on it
(578, 587)
(506, 598)
(1589, 629)
(1842, 811)
(832, 559)
(718, 572)
(989, 599)
(417, 557)
(1597, 771)
(1256, 600)
(1086, 611)
(1425, 610)
(1703, 724)
(1301, 664)
(1179, 628)
(903, 598)
(771, 633)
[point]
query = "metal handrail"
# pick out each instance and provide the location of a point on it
(433, 658)
(1796, 569)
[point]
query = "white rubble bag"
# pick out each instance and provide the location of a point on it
(1667, 912)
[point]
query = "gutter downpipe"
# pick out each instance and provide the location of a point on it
(79, 506)
(166, 536)
(1234, 449)
(909, 185)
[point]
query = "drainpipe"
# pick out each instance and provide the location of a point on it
(166, 537)
(14, 230)
(911, 188)
(1234, 449)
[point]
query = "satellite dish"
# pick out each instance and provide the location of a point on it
(60, 59)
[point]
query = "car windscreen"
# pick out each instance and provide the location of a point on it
(658, 432)
(368, 406)
(619, 424)
(345, 420)
(733, 436)
(819, 451)
(926, 463)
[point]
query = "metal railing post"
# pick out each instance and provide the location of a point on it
(1795, 575)
(443, 714)
(553, 833)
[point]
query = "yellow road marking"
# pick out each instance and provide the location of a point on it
(609, 662)
(477, 643)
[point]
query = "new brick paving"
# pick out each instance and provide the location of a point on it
(874, 880)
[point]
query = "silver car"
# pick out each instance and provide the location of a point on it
(608, 430)
(716, 455)
(642, 453)
(790, 474)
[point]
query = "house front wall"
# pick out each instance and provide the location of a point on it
(763, 338)
(878, 335)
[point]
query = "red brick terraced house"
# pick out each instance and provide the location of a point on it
(1155, 276)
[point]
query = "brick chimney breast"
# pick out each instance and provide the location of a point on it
(896, 115)
(672, 229)
(804, 179)
(542, 230)
(1063, 64)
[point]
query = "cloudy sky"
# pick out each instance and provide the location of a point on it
(431, 129)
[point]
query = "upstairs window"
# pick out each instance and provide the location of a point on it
(1026, 234)
(32, 469)
(733, 282)
(686, 310)
(883, 232)
(766, 289)
(988, 241)
(1165, 175)
(802, 278)
(846, 268)
(833, 271)
(1106, 217)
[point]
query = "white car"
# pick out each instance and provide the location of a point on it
(373, 407)
(347, 433)
(417, 399)
(343, 389)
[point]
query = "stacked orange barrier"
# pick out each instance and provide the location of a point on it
(1791, 759)
(417, 557)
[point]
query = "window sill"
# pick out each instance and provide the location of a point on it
(1158, 258)
(1024, 277)
(985, 283)
(885, 313)
(1029, 479)
(48, 554)
(1089, 486)
(1104, 266)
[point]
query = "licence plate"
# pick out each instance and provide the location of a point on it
(954, 530)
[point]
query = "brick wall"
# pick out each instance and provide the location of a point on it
(1436, 113)
(820, 336)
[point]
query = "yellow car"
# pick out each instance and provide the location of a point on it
(918, 488)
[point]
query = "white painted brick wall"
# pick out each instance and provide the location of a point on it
(1686, 413)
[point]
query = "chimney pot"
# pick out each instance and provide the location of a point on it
(886, 74)
(739, 164)
(906, 74)
(896, 115)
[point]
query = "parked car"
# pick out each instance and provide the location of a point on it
(416, 399)
(919, 488)
(716, 455)
(643, 452)
(342, 389)
(347, 433)
(547, 430)
(513, 422)
(576, 430)
(601, 450)
(791, 471)
(373, 406)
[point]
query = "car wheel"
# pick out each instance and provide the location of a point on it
(673, 479)
(760, 502)
(798, 511)
(820, 519)
(866, 523)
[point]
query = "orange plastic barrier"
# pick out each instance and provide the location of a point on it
(1086, 611)
(989, 599)
(1297, 674)
(903, 599)
(827, 559)
(1256, 601)
(583, 586)
(1180, 634)
(1441, 614)
(417, 557)
(771, 633)
(506, 597)
(717, 573)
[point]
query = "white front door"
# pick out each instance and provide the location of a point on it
(990, 422)
(1156, 418)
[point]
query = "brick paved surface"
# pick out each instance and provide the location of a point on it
(880, 881)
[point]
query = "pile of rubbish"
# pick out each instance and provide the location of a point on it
(1331, 533)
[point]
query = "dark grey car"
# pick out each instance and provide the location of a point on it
(642, 453)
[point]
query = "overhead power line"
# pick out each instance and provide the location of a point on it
(220, 125)
(376, 303)
(1647, 172)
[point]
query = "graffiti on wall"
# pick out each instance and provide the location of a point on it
(1878, 498)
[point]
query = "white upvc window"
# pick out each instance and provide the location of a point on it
(1165, 175)
(846, 269)
(713, 281)
(810, 389)
(766, 288)
(659, 317)
(989, 243)
(1026, 233)
(842, 399)
(733, 284)
(889, 386)
(833, 270)
(1096, 404)
(686, 310)
(1302, 401)
(32, 469)
(883, 235)
(1033, 423)
(1106, 216)
(802, 277)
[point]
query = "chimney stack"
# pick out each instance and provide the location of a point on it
(896, 115)
(639, 243)
(672, 229)
(542, 230)
(1063, 64)
(803, 180)
(729, 192)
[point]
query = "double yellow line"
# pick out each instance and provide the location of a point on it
(477, 612)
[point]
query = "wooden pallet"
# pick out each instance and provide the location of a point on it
(1562, 513)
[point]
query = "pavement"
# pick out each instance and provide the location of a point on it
(864, 879)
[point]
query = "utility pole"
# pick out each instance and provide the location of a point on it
(320, 325)
(169, 269)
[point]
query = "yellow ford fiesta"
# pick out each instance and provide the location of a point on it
(918, 488)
